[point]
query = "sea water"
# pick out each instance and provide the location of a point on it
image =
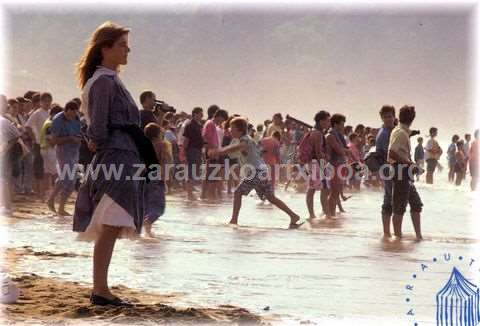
(326, 271)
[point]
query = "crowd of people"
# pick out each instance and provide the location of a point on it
(42, 137)
(203, 153)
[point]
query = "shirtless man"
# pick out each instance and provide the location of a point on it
(316, 176)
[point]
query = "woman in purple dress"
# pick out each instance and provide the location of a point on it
(108, 207)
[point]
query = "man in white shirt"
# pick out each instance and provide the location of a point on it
(37, 119)
(404, 192)
(34, 125)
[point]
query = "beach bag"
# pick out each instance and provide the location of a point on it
(305, 149)
(144, 146)
(373, 161)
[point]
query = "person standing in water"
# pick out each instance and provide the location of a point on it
(108, 208)
(419, 155)
(257, 171)
(192, 146)
(211, 141)
(466, 151)
(316, 177)
(338, 151)
(271, 154)
(460, 163)
(387, 114)
(473, 161)
(67, 138)
(452, 149)
(433, 151)
(404, 191)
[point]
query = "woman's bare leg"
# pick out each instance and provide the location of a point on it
(102, 255)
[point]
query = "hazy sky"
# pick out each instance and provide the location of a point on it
(260, 61)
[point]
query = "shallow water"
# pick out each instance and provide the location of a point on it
(335, 271)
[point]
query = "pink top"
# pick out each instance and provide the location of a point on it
(210, 135)
(271, 150)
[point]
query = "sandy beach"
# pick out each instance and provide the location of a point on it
(49, 300)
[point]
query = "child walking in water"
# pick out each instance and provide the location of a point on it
(155, 189)
(257, 176)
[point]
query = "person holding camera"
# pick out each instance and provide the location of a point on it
(147, 99)
(404, 191)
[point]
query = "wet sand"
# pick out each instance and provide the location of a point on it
(45, 300)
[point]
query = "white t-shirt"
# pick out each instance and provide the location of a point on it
(180, 136)
(36, 121)
(466, 148)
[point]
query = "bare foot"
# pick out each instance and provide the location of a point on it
(148, 229)
(51, 206)
(64, 213)
(386, 237)
(233, 221)
(293, 222)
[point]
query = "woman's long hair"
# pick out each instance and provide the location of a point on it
(104, 36)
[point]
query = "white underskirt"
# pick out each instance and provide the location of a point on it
(108, 212)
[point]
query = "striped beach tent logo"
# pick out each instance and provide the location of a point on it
(457, 302)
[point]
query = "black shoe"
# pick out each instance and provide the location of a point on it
(101, 301)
